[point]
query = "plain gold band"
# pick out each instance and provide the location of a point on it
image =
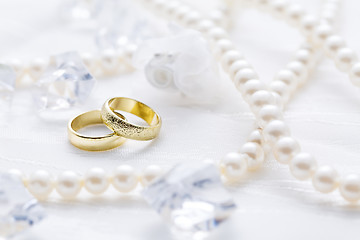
(88, 143)
(126, 129)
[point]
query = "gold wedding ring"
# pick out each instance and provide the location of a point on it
(88, 143)
(126, 129)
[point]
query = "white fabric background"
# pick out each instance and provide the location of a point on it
(324, 116)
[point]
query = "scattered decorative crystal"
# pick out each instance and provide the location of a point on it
(7, 82)
(191, 198)
(183, 59)
(18, 209)
(65, 83)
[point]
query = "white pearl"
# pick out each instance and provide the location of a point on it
(221, 46)
(217, 33)
(36, 68)
(234, 166)
(96, 181)
(269, 113)
(205, 25)
(288, 77)
(109, 61)
(180, 12)
(192, 18)
(252, 86)
(278, 8)
(355, 74)
(300, 70)
(170, 7)
(282, 89)
(275, 130)
(278, 100)
(217, 16)
(19, 68)
(294, 13)
(308, 24)
(325, 179)
(159, 5)
(321, 33)
(345, 58)
(229, 58)
(40, 184)
(350, 187)
(262, 4)
(303, 166)
(18, 174)
(254, 155)
(90, 62)
(328, 16)
(256, 136)
(261, 98)
(237, 66)
(285, 149)
(243, 76)
(333, 44)
(68, 184)
(149, 174)
(124, 178)
(306, 57)
(128, 52)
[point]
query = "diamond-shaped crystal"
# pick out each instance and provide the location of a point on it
(18, 209)
(191, 197)
(65, 83)
(7, 82)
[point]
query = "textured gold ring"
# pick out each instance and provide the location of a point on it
(88, 143)
(126, 129)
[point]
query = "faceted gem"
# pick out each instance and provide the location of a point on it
(191, 198)
(7, 82)
(18, 209)
(65, 83)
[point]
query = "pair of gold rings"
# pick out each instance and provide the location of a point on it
(121, 128)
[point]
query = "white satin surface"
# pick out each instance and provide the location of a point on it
(324, 116)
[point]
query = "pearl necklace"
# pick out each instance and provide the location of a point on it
(233, 166)
(286, 149)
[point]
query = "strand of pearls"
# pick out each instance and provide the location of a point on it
(96, 181)
(286, 149)
(319, 32)
(322, 35)
(235, 165)
(108, 62)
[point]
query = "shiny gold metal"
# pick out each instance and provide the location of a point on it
(88, 143)
(126, 129)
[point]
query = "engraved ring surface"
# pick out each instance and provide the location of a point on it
(123, 127)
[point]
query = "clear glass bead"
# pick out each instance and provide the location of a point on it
(191, 198)
(18, 209)
(65, 83)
